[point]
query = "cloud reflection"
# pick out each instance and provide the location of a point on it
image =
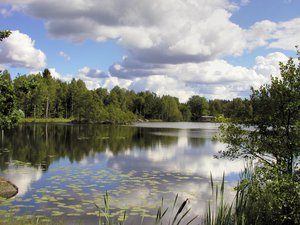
(22, 176)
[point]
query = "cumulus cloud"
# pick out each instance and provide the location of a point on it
(173, 47)
(269, 65)
(93, 73)
(93, 78)
(282, 35)
(286, 35)
(150, 31)
(212, 79)
(163, 85)
(18, 51)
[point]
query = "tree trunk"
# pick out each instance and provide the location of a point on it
(34, 112)
(2, 138)
(66, 111)
(47, 108)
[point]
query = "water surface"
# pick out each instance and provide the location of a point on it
(63, 170)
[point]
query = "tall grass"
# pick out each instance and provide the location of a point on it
(104, 214)
(176, 216)
(218, 212)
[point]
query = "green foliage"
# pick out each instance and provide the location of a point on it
(9, 115)
(4, 34)
(42, 96)
(269, 133)
(198, 107)
(219, 212)
(272, 197)
(186, 112)
(170, 109)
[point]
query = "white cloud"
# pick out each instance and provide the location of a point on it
(149, 30)
(18, 51)
(23, 177)
(64, 55)
(2, 67)
(245, 2)
(259, 33)
(163, 85)
(172, 31)
(92, 73)
(174, 47)
(91, 77)
(286, 35)
(283, 35)
(212, 79)
(269, 65)
(56, 75)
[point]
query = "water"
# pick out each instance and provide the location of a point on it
(63, 170)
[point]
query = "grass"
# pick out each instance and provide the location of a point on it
(29, 220)
(165, 216)
(218, 212)
(45, 120)
(174, 216)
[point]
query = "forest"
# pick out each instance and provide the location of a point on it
(42, 96)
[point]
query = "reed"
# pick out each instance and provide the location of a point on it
(104, 214)
(177, 216)
(218, 211)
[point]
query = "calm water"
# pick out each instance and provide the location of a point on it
(63, 170)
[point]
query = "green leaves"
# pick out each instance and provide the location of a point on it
(4, 34)
(9, 115)
(271, 136)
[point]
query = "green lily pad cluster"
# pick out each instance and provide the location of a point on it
(72, 193)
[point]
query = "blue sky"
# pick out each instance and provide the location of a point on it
(216, 48)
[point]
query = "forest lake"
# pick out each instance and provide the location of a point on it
(63, 170)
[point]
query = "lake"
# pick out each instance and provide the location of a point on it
(63, 170)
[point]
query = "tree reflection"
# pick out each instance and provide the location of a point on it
(42, 144)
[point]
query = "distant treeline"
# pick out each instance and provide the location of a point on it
(42, 96)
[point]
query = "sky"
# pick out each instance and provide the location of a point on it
(212, 48)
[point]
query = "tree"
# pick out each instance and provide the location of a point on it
(50, 92)
(215, 107)
(273, 128)
(198, 106)
(9, 114)
(170, 109)
(4, 34)
(271, 136)
(186, 112)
